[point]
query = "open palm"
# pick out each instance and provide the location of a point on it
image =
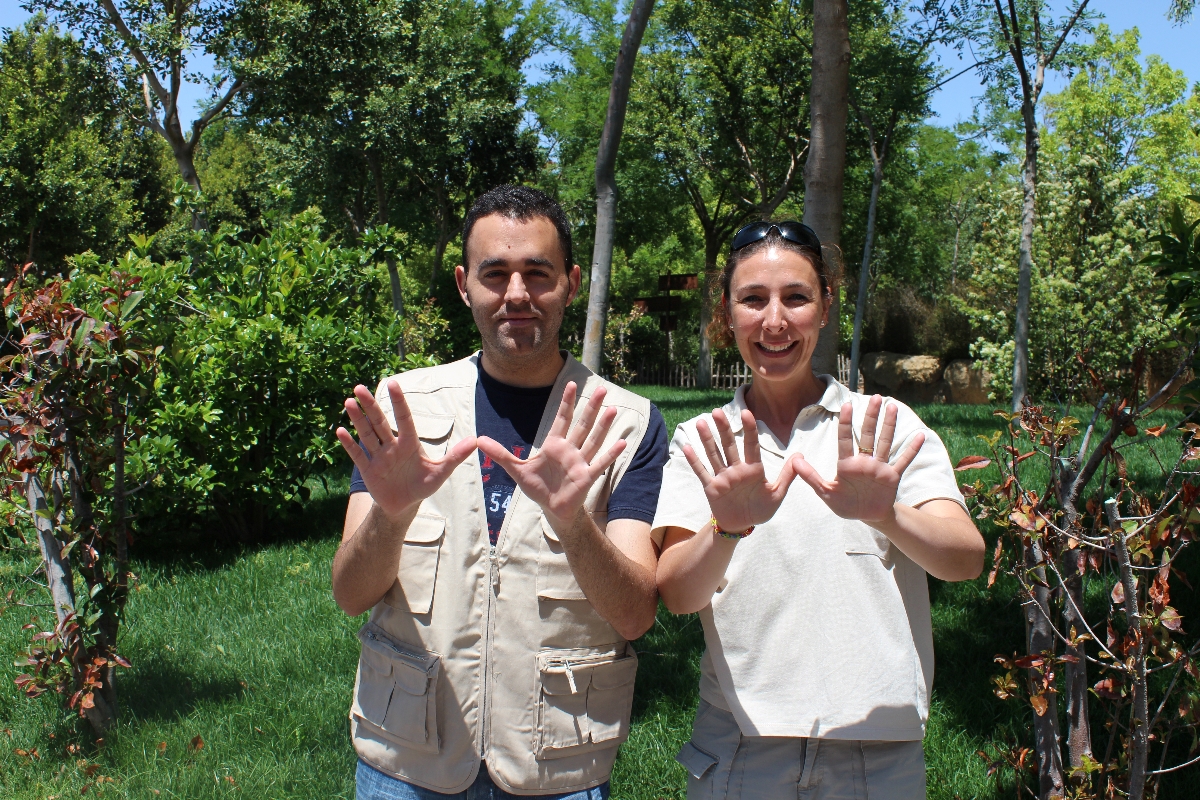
(394, 468)
(738, 492)
(865, 485)
(569, 461)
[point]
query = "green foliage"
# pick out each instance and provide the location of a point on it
(262, 342)
(1177, 263)
(397, 112)
(1119, 147)
(75, 176)
(72, 384)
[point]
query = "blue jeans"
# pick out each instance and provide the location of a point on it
(375, 785)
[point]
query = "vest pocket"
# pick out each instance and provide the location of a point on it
(397, 690)
(555, 579)
(585, 701)
(417, 576)
(434, 433)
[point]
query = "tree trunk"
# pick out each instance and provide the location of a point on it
(1039, 640)
(185, 159)
(864, 275)
(824, 170)
(57, 568)
(1079, 732)
(712, 248)
(439, 252)
(606, 185)
(1139, 721)
(381, 214)
(1025, 261)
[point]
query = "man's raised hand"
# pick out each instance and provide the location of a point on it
(738, 492)
(865, 485)
(559, 476)
(394, 468)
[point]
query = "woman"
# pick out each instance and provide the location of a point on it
(819, 660)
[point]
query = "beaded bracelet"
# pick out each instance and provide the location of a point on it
(726, 534)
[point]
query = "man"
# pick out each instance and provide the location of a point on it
(499, 531)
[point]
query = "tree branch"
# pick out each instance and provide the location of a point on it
(135, 50)
(199, 125)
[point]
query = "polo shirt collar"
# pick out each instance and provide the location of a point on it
(832, 398)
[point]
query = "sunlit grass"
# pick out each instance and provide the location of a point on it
(246, 650)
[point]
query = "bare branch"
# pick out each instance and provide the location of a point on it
(1066, 31)
(199, 125)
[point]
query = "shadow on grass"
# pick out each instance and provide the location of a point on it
(194, 545)
(972, 625)
(160, 690)
(669, 668)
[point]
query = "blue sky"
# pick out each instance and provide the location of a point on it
(954, 102)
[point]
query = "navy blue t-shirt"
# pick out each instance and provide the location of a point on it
(511, 415)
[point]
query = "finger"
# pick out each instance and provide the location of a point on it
(710, 446)
(606, 460)
(809, 475)
(883, 450)
(728, 442)
(697, 465)
(592, 445)
(866, 440)
(499, 453)
(784, 479)
(455, 456)
(846, 432)
(350, 445)
(374, 412)
(405, 426)
(906, 457)
(750, 437)
(583, 426)
(362, 426)
(566, 410)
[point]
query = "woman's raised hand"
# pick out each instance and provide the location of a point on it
(394, 468)
(865, 485)
(738, 491)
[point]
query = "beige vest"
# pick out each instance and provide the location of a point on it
(493, 654)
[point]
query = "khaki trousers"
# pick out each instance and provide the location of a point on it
(723, 764)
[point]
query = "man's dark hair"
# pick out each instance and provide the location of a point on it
(520, 203)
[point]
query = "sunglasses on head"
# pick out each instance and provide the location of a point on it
(796, 232)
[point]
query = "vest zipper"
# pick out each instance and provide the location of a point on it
(485, 665)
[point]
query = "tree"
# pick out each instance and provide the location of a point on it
(1119, 147)
(891, 92)
(149, 44)
(606, 183)
(384, 101)
(1031, 46)
(726, 113)
(825, 169)
(76, 177)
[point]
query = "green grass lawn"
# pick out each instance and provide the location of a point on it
(246, 650)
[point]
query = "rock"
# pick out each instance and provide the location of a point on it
(909, 379)
(967, 382)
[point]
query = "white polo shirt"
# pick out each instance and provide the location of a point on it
(821, 627)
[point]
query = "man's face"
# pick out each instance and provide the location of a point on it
(516, 285)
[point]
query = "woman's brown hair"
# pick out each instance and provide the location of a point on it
(719, 331)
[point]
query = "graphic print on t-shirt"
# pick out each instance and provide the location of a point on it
(498, 488)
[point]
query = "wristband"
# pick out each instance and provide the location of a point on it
(726, 534)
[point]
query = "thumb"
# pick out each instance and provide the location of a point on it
(809, 474)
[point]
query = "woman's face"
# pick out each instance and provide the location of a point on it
(777, 309)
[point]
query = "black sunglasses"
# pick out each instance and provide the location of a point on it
(796, 232)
